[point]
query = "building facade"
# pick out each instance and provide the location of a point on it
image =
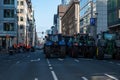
(8, 23)
(70, 19)
(26, 22)
(60, 12)
(114, 15)
(55, 24)
(93, 16)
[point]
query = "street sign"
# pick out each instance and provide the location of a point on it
(92, 21)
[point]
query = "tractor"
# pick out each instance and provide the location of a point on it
(106, 45)
(55, 46)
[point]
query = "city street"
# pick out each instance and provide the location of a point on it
(34, 66)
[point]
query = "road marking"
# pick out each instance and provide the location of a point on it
(28, 56)
(76, 60)
(48, 61)
(84, 78)
(54, 75)
(35, 60)
(50, 68)
(49, 65)
(111, 62)
(112, 77)
(118, 64)
(60, 59)
(17, 62)
(36, 79)
(38, 59)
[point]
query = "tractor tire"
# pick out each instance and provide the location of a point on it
(91, 52)
(75, 52)
(85, 51)
(62, 51)
(47, 52)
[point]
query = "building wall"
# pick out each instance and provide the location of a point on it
(70, 20)
(114, 15)
(60, 12)
(8, 34)
(96, 9)
(26, 27)
(22, 31)
(101, 8)
(87, 11)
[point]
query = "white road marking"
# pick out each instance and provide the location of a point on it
(48, 61)
(17, 62)
(38, 59)
(118, 64)
(76, 60)
(50, 68)
(84, 78)
(28, 56)
(35, 60)
(111, 62)
(54, 75)
(49, 65)
(112, 77)
(60, 59)
(36, 79)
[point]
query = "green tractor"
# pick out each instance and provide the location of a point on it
(106, 45)
(117, 42)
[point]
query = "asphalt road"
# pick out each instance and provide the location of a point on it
(34, 66)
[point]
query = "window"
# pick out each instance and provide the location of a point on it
(21, 10)
(21, 18)
(21, 3)
(21, 26)
(9, 13)
(8, 26)
(8, 1)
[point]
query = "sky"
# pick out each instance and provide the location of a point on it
(44, 12)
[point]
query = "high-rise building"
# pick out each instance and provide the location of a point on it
(95, 12)
(8, 23)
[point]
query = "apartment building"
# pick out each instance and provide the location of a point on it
(26, 22)
(8, 23)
